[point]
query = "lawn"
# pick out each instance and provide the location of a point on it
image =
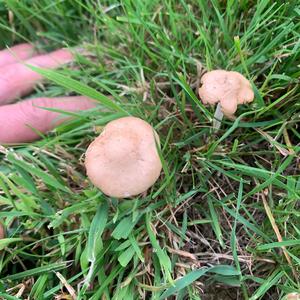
(222, 221)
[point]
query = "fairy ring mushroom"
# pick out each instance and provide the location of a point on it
(123, 161)
(228, 89)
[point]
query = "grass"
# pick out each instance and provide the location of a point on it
(223, 219)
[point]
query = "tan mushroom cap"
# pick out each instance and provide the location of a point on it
(227, 87)
(123, 161)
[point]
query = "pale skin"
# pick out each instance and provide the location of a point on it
(22, 121)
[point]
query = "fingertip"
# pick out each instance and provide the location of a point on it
(22, 121)
(16, 53)
(53, 59)
(17, 80)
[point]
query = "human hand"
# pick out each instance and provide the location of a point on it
(21, 121)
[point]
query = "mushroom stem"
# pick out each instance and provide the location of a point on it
(218, 116)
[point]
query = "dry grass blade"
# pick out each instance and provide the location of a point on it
(67, 285)
(278, 234)
(182, 253)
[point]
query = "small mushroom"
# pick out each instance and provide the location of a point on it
(228, 89)
(123, 161)
(2, 231)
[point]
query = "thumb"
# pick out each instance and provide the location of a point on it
(19, 120)
(16, 53)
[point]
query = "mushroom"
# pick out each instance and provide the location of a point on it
(123, 161)
(228, 89)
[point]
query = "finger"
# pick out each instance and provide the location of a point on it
(52, 60)
(16, 53)
(19, 121)
(17, 79)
